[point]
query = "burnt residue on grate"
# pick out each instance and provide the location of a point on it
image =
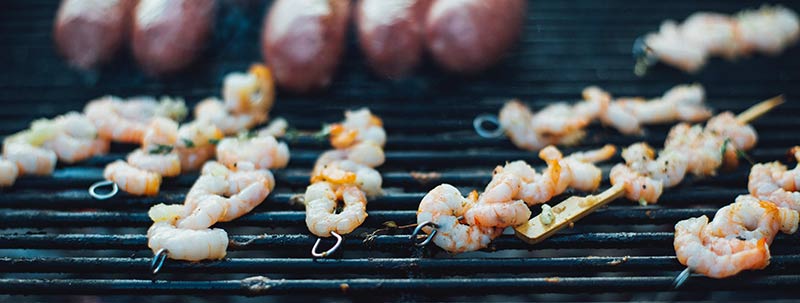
(56, 240)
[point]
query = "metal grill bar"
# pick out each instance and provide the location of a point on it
(778, 264)
(77, 199)
(37, 218)
(263, 286)
(382, 242)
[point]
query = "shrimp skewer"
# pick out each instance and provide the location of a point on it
(737, 239)
(687, 46)
(143, 171)
(245, 187)
(127, 121)
(694, 149)
(25, 150)
(183, 244)
(442, 207)
(516, 185)
(563, 124)
(345, 174)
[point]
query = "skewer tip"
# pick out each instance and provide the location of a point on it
(758, 110)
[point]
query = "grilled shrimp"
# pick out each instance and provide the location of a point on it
(213, 111)
(638, 187)
(717, 257)
(669, 46)
(321, 201)
(264, 152)
(131, 179)
(196, 144)
(743, 136)
(712, 32)
(160, 132)
(366, 153)
(669, 168)
(774, 183)
(497, 206)
(253, 92)
(127, 121)
(358, 126)
(751, 218)
(164, 164)
(442, 206)
(769, 29)
(8, 172)
(515, 118)
(681, 103)
(30, 160)
(222, 194)
(346, 172)
(276, 128)
(76, 138)
(183, 244)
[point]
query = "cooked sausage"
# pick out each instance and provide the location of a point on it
(468, 36)
(168, 35)
(90, 32)
(390, 34)
(303, 40)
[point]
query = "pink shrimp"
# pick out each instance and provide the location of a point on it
(717, 257)
(774, 183)
(213, 111)
(127, 121)
(264, 152)
(751, 218)
(222, 194)
(8, 173)
(133, 180)
(30, 160)
(196, 144)
(183, 244)
(250, 93)
(442, 206)
(321, 200)
(164, 164)
(496, 207)
(76, 138)
(358, 126)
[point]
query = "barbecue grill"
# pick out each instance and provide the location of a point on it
(56, 240)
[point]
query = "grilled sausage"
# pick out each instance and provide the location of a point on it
(390, 34)
(90, 32)
(168, 35)
(468, 36)
(303, 40)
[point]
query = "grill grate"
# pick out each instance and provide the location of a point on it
(55, 239)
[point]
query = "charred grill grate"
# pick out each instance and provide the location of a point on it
(57, 240)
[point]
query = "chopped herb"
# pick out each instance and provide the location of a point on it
(725, 146)
(743, 155)
(161, 149)
(187, 142)
(291, 134)
(324, 132)
(213, 141)
(245, 135)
